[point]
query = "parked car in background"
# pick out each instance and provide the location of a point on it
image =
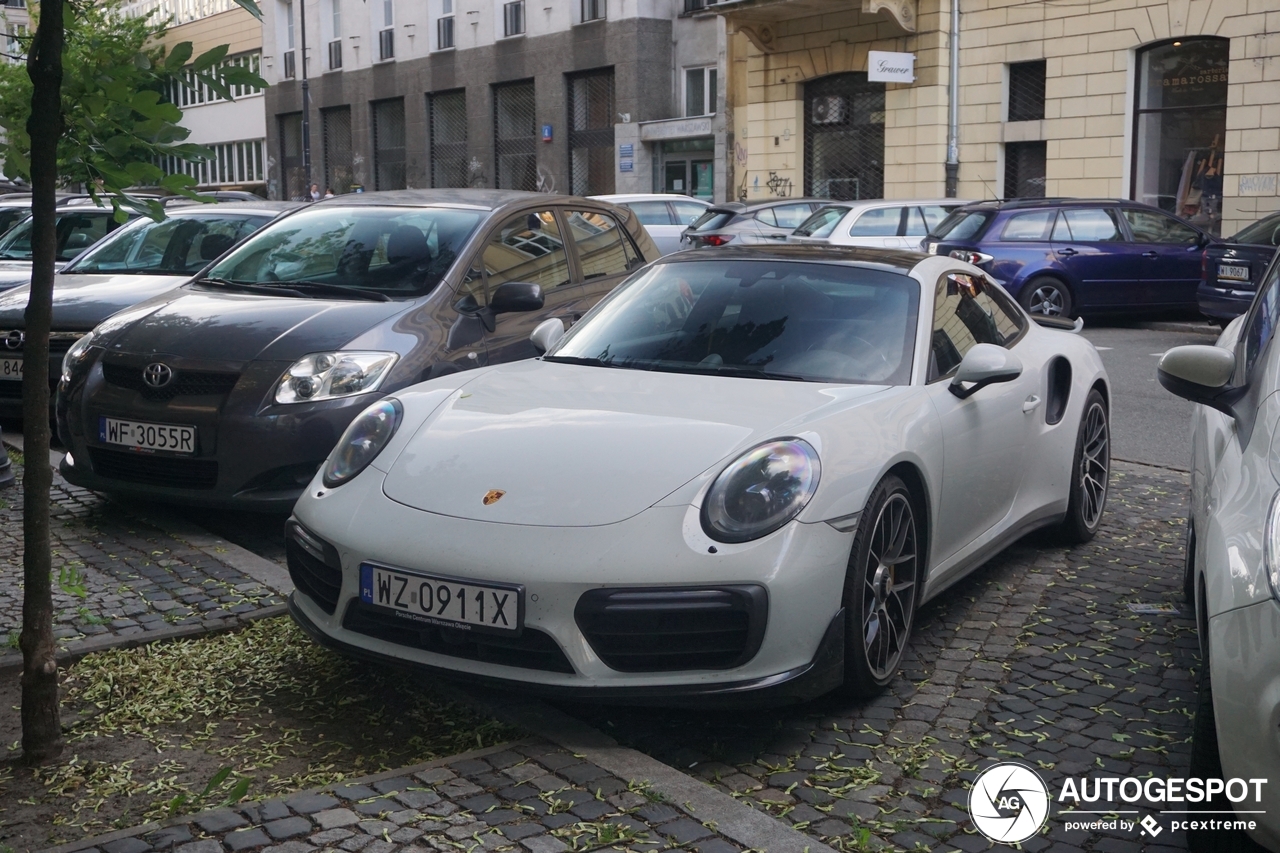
(888, 224)
(751, 223)
(79, 226)
(1232, 578)
(1234, 266)
(1068, 256)
(664, 216)
(741, 474)
(233, 389)
(143, 259)
(13, 209)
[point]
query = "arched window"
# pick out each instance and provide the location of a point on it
(1180, 127)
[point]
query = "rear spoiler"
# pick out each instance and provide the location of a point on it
(1061, 323)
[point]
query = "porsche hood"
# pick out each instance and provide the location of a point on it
(574, 446)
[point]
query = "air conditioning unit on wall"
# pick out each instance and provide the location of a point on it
(828, 109)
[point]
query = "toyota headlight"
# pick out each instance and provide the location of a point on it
(761, 490)
(77, 355)
(362, 442)
(326, 375)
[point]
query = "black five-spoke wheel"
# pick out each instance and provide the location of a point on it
(881, 588)
(1089, 472)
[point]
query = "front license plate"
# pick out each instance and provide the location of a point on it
(1233, 271)
(167, 437)
(448, 602)
(11, 368)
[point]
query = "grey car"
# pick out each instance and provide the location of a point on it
(232, 390)
(134, 263)
(753, 223)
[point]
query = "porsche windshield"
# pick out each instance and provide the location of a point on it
(765, 319)
(393, 251)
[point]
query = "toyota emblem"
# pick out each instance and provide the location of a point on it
(157, 375)
(14, 339)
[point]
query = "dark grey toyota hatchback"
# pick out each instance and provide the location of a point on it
(232, 390)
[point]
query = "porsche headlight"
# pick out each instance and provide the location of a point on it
(76, 355)
(1271, 547)
(761, 490)
(362, 442)
(326, 375)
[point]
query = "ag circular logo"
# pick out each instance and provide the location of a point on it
(1009, 803)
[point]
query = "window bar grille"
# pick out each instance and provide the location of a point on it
(1026, 91)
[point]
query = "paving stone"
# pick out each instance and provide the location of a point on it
(164, 839)
(220, 821)
(290, 847)
(128, 845)
(245, 839)
(273, 810)
(288, 827)
(330, 837)
(207, 845)
(685, 830)
(310, 803)
(544, 844)
(331, 818)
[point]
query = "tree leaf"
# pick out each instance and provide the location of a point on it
(250, 7)
(236, 794)
(216, 85)
(179, 56)
(209, 58)
(218, 779)
(142, 62)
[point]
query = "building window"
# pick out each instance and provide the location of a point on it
(336, 128)
(288, 65)
(188, 89)
(1180, 125)
(593, 10)
(335, 54)
(591, 117)
(515, 134)
(232, 164)
(513, 19)
(844, 137)
(1024, 169)
(447, 133)
(387, 35)
(444, 26)
(1026, 91)
(696, 5)
(293, 176)
(16, 40)
(388, 144)
(700, 91)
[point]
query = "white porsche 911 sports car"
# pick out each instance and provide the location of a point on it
(741, 473)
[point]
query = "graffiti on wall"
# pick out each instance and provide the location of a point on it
(779, 186)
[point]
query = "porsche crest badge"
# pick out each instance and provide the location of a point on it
(493, 496)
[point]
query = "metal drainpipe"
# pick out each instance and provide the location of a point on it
(953, 107)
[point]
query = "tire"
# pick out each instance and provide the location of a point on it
(1045, 295)
(882, 587)
(1189, 567)
(1090, 470)
(1206, 763)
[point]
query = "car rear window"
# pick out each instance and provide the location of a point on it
(822, 223)
(712, 219)
(1264, 232)
(963, 225)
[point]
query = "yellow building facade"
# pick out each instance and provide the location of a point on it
(1175, 103)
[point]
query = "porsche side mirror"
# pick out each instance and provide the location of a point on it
(1201, 374)
(547, 334)
(516, 296)
(983, 365)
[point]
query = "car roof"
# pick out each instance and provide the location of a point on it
(898, 260)
(896, 202)
(739, 206)
(616, 198)
(485, 199)
(246, 207)
(1024, 203)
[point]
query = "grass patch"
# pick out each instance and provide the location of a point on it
(170, 728)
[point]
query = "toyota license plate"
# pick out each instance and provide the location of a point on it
(1233, 271)
(442, 601)
(11, 368)
(170, 438)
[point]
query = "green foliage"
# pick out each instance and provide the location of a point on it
(118, 123)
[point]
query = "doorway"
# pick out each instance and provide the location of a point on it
(688, 168)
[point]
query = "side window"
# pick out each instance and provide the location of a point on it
(601, 244)
(651, 212)
(767, 217)
(917, 226)
(217, 237)
(1032, 226)
(792, 215)
(1151, 227)
(78, 232)
(528, 247)
(879, 222)
(687, 211)
(934, 214)
(1088, 225)
(968, 310)
(1262, 325)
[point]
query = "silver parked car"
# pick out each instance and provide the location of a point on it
(745, 224)
(885, 223)
(664, 216)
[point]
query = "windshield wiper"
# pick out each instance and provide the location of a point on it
(326, 287)
(576, 359)
(240, 285)
(727, 370)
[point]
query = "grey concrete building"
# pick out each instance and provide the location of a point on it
(569, 96)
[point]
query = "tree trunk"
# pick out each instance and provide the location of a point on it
(41, 723)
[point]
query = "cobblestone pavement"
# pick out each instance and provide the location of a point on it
(531, 797)
(1037, 657)
(116, 576)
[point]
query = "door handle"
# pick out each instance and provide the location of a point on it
(1066, 253)
(1151, 254)
(1030, 404)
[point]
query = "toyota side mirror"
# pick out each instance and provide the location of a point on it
(516, 296)
(1202, 374)
(983, 365)
(547, 334)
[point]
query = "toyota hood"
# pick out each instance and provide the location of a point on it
(579, 446)
(203, 324)
(81, 302)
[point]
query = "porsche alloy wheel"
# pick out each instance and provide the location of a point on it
(881, 588)
(1090, 470)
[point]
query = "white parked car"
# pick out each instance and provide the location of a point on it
(742, 471)
(886, 223)
(1233, 556)
(664, 216)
